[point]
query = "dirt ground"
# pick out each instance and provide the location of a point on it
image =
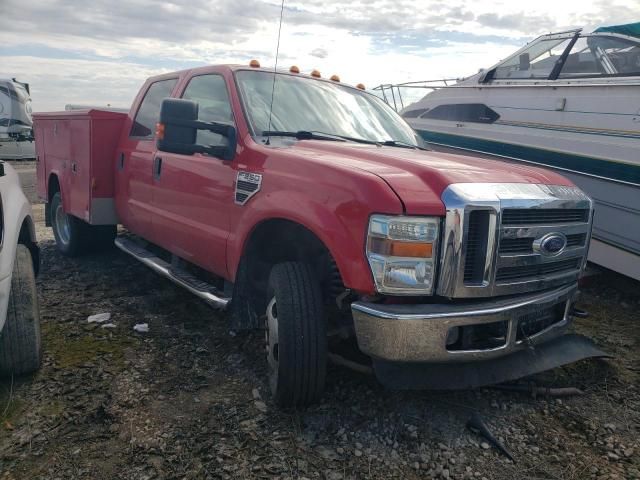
(189, 398)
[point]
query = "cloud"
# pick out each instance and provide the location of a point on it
(319, 53)
(517, 22)
(101, 51)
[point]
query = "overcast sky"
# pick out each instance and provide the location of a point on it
(99, 51)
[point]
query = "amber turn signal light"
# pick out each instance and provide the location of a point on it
(395, 248)
(159, 131)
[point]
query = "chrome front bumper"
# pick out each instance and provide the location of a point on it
(418, 333)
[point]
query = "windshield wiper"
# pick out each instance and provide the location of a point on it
(314, 135)
(401, 144)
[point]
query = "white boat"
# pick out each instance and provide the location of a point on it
(569, 101)
(16, 124)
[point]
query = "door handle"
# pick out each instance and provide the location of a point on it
(157, 167)
(121, 162)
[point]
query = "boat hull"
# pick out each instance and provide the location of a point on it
(616, 227)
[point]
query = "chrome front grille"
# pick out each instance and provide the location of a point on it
(496, 238)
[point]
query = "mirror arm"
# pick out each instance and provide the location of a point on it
(219, 128)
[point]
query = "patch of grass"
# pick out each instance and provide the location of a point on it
(11, 407)
(69, 352)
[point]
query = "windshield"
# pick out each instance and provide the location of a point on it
(306, 104)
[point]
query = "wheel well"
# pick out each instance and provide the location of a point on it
(278, 240)
(53, 186)
(26, 237)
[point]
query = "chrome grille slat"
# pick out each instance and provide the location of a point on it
(537, 270)
(544, 216)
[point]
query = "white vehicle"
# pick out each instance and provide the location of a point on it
(16, 124)
(568, 101)
(20, 350)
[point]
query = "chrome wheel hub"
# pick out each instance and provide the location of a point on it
(271, 343)
(62, 225)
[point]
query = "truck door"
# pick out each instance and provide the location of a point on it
(193, 193)
(134, 162)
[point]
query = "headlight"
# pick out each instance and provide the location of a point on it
(401, 252)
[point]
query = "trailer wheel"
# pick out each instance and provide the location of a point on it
(74, 236)
(20, 348)
(296, 338)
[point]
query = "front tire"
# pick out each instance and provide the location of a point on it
(296, 335)
(20, 342)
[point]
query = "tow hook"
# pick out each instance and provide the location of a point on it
(578, 313)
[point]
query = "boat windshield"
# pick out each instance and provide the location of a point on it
(302, 104)
(537, 61)
(572, 57)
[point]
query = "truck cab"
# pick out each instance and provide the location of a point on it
(311, 209)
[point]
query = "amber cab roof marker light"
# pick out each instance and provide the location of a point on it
(335, 78)
(254, 63)
(316, 74)
(294, 69)
(360, 86)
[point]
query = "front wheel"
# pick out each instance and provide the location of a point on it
(20, 349)
(296, 335)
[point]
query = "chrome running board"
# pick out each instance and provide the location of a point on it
(202, 290)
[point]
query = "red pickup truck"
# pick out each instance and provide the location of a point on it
(311, 209)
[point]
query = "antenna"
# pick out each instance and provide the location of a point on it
(273, 86)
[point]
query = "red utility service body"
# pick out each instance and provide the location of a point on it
(78, 149)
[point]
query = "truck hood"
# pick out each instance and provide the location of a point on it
(419, 177)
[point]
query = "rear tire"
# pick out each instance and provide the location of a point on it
(74, 236)
(20, 342)
(296, 335)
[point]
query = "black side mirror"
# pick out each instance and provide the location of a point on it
(178, 128)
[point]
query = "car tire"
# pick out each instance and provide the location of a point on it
(74, 236)
(20, 341)
(296, 335)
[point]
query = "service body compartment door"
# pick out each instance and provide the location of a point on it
(79, 169)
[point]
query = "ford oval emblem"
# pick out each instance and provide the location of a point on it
(551, 244)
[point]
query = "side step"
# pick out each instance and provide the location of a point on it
(203, 290)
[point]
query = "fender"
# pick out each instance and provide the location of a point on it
(16, 209)
(341, 229)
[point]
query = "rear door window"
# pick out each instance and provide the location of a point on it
(149, 111)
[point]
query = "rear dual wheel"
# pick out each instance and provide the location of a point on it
(73, 236)
(296, 336)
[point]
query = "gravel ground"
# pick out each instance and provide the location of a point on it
(189, 398)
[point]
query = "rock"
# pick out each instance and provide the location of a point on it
(261, 406)
(613, 456)
(358, 453)
(485, 445)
